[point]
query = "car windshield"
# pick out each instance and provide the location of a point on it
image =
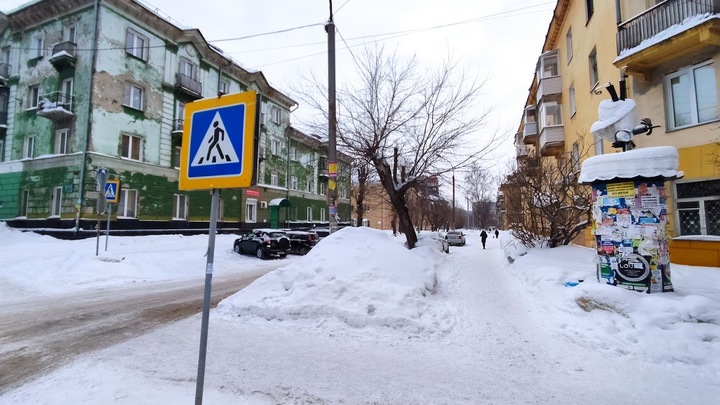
(276, 234)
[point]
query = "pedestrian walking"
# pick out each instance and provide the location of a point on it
(497, 234)
(483, 237)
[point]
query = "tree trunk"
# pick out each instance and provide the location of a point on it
(397, 199)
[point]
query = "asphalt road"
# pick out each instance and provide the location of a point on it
(37, 336)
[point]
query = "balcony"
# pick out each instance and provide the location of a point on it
(668, 31)
(522, 151)
(323, 172)
(548, 75)
(55, 106)
(188, 86)
(552, 140)
(63, 55)
(177, 126)
(4, 73)
(548, 87)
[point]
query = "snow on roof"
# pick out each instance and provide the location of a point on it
(657, 161)
(688, 23)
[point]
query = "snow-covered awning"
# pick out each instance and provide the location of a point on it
(279, 202)
(657, 161)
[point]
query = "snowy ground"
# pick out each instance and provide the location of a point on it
(361, 320)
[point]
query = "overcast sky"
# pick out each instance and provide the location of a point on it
(499, 41)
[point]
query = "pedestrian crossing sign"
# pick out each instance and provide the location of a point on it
(217, 144)
(112, 191)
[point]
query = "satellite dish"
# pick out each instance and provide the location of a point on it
(613, 117)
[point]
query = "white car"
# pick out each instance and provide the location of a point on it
(455, 238)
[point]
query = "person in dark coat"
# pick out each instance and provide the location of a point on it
(497, 234)
(483, 237)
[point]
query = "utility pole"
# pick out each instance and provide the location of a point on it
(332, 124)
(453, 200)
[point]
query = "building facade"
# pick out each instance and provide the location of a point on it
(87, 84)
(667, 52)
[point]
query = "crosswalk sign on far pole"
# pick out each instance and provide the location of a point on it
(217, 144)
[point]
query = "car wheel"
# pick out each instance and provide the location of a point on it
(259, 253)
(236, 248)
(303, 251)
(282, 255)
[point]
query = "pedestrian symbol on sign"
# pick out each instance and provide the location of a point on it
(110, 193)
(216, 147)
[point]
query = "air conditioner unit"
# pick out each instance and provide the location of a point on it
(263, 204)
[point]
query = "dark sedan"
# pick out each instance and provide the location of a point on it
(263, 243)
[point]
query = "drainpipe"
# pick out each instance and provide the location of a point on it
(81, 188)
(220, 72)
(618, 12)
(287, 193)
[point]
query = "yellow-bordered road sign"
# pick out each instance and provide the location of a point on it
(112, 191)
(217, 144)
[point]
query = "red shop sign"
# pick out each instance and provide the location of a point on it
(252, 193)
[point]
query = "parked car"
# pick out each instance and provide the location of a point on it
(302, 241)
(322, 232)
(455, 238)
(263, 243)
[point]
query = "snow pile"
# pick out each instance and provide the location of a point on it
(682, 327)
(356, 278)
(644, 162)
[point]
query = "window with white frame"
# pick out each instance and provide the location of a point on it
(177, 157)
(127, 203)
(691, 96)
(571, 93)
(33, 96)
(275, 115)
(37, 43)
(56, 203)
(550, 114)
(29, 147)
(71, 33)
(61, 141)
(180, 208)
(251, 210)
(593, 64)
(188, 68)
(698, 205)
(322, 215)
(308, 214)
(311, 186)
(131, 147)
(133, 96)
(548, 66)
(224, 86)
(366, 207)
(275, 147)
(293, 183)
(575, 157)
(274, 178)
(569, 44)
(24, 202)
(137, 44)
(66, 88)
(323, 188)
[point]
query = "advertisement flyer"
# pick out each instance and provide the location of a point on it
(629, 226)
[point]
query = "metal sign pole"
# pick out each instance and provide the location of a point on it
(206, 299)
(107, 230)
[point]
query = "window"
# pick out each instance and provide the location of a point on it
(293, 183)
(311, 186)
(569, 44)
(294, 154)
(188, 68)
(548, 66)
(70, 34)
(33, 96)
(550, 114)
(599, 148)
(589, 9)
(131, 147)
(29, 150)
(127, 203)
(5, 54)
(61, 142)
(571, 92)
(37, 42)
(322, 215)
(176, 157)
(275, 115)
(309, 214)
(698, 206)
(576, 157)
(692, 96)
(275, 147)
(56, 204)
(274, 178)
(24, 202)
(133, 96)
(251, 210)
(180, 206)
(366, 207)
(224, 86)
(136, 44)
(323, 188)
(66, 88)
(592, 60)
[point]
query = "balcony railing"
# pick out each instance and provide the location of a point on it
(63, 55)
(188, 85)
(659, 18)
(55, 106)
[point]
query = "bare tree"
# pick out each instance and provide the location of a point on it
(428, 115)
(363, 173)
(545, 203)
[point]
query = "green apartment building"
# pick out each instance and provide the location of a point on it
(90, 84)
